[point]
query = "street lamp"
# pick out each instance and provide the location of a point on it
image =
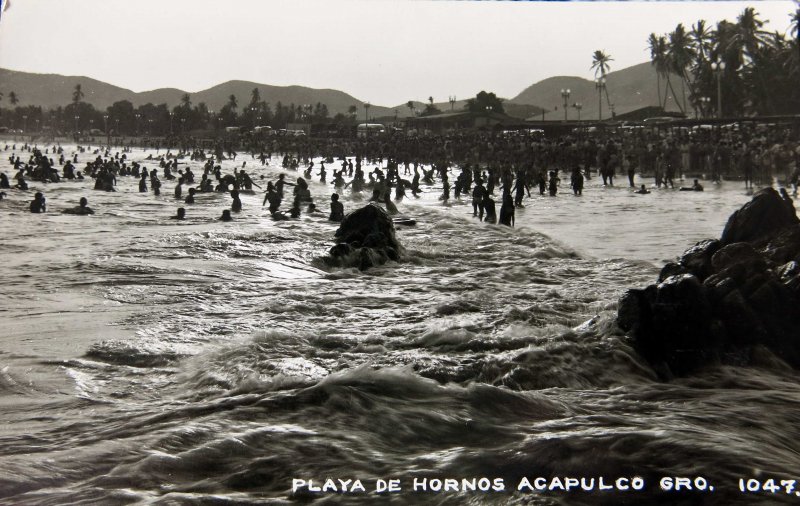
(578, 106)
(183, 126)
(253, 112)
(366, 112)
(452, 101)
(37, 125)
(150, 127)
(137, 123)
(718, 69)
(171, 115)
(105, 122)
(600, 84)
(117, 130)
(77, 117)
(25, 123)
(565, 95)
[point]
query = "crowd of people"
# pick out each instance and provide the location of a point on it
(478, 163)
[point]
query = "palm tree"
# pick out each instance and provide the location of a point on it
(600, 63)
(13, 98)
(680, 55)
(77, 94)
(352, 110)
(656, 57)
(410, 105)
(701, 37)
(255, 96)
(232, 103)
(749, 39)
(186, 101)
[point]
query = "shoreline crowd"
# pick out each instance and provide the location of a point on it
(478, 163)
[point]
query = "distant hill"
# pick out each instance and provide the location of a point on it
(628, 89)
(53, 90)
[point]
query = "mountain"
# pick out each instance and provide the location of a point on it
(53, 90)
(628, 89)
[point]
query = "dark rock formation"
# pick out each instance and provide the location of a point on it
(724, 298)
(365, 239)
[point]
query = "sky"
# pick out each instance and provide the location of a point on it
(382, 51)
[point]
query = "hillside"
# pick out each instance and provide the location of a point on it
(628, 89)
(52, 90)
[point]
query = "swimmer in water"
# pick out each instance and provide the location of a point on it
(642, 191)
(696, 187)
(38, 204)
(82, 208)
(226, 215)
(181, 214)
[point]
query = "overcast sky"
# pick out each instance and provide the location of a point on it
(382, 51)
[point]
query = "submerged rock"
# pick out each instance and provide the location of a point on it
(365, 238)
(724, 299)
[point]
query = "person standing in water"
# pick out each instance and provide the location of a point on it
(337, 209)
(507, 211)
(236, 205)
(38, 204)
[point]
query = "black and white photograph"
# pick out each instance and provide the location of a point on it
(427, 252)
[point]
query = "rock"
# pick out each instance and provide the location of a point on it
(675, 327)
(766, 214)
(365, 238)
(697, 259)
(672, 269)
(741, 255)
(725, 299)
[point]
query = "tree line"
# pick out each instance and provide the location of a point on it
(738, 65)
(122, 118)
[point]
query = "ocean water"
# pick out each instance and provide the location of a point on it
(144, 360)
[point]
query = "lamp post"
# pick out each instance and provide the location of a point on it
(105, 122)
(718, 69)
(600, 84)
(578, 106)
(25, 123)
(116, 132)
(565, 95)
(37, 125)
(77, 117)
(366, 113)
(183, 126)
(150, 127)
(171, 115)
(137, 123)
(253, 113)
(452, 101)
